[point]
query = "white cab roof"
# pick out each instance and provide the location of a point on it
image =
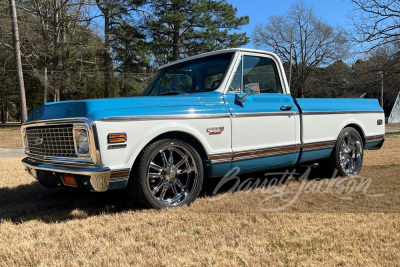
(233, 50)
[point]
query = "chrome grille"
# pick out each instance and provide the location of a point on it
(51, 141)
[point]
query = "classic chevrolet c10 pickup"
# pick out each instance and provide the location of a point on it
(200, 117)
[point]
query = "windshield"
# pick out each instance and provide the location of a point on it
(197, 75)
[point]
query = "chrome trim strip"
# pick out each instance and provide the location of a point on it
(47, 122)
(116, 146)
(62, 168)
(264, 114)
(253, 154)
(317, 148)
(319, 145)
(119, 175)
(269, 152)
(168, 117)
(339, 112)
(99, 175)
(121, 179)
(279, 149)
(62, 161)
(218, 161)
(374, 136)
(374, 140)
(265, 155)
(120, 171)
(221, 157)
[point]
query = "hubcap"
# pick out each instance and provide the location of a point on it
(351, 154)
(172, 175)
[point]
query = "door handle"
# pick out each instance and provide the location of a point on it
(289, 107)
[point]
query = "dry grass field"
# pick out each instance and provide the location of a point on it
(325, 224)
(10, 137)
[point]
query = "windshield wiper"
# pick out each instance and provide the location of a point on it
(172, 93)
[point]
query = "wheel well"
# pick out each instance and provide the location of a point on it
(359, 130)
(190, 139)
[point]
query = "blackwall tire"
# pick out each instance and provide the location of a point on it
(347, 155)
(169, 174)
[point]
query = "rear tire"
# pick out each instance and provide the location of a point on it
(347, 155)
(169, 174)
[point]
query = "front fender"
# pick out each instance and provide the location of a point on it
(141, 133)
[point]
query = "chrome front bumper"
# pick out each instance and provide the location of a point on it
(95, 178)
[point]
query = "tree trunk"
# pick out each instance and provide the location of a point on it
(175, 45)
(45, 87)
(175, 36)
(18, 63)
(107, 59)
(3, 110)
(56, 48)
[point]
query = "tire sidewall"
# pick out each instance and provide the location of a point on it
(341, 136)
(148, 156)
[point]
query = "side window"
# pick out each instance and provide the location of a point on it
(263, 71)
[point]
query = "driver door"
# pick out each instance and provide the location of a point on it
(265, 125)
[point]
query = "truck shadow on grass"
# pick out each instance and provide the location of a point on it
(35, 202)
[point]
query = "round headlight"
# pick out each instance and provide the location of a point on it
(82, 142)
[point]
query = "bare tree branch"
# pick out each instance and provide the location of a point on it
(315, 42)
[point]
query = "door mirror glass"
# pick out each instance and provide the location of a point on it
(253, 88)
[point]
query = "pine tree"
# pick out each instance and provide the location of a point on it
(132, 58)
(180, 28)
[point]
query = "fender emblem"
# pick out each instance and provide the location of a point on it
(215, 130)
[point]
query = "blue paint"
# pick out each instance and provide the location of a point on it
(338, 104)
(371, 145)
(310, 156)
(132, 106)
(260, 103)
(219, 170)
(117, 185)
(266, 163)
(149, 111)
(195, 103)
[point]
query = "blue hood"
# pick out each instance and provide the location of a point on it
(108, 107)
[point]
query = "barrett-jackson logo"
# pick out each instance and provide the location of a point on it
(215, 130)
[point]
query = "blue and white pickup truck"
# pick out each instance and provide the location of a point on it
(199, 117)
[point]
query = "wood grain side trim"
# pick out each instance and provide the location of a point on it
(319, 145)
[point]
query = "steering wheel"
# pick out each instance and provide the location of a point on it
(215, 84)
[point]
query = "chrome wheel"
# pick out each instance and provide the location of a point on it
(172, 175)
(351, 153)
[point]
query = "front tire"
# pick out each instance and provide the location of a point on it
(169, 174)
(347, 156)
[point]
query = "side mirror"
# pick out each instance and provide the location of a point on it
(251, 88)
(255, 87)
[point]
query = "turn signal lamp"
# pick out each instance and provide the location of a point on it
(114, 138)
(69, 180)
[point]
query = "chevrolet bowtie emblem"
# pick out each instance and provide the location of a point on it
(39, 141)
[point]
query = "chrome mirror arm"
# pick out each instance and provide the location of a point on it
(241, 99)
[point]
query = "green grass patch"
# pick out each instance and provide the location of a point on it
(392, 136)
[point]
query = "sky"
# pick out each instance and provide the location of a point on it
(334, 12)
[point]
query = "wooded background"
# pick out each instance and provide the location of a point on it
(78, 49)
